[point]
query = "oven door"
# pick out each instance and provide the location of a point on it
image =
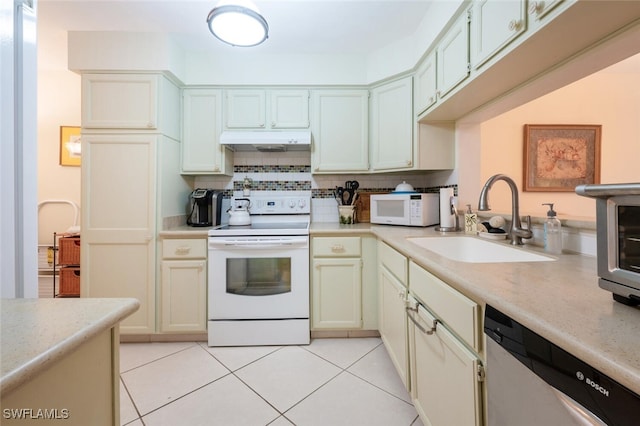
(258, 277)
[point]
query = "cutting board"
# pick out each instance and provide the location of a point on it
(363, 206)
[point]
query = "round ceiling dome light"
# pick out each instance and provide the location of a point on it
(238, 23)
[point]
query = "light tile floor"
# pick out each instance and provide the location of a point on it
(329, 382)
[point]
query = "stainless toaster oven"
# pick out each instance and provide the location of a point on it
(618, 238)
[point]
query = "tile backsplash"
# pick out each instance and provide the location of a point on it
(291, 171)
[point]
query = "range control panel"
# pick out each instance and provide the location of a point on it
(278, 205)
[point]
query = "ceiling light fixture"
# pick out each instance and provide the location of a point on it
(238, 23)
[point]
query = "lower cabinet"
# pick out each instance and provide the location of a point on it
(393, 322)
(392, 277)
(336, 283)
(344, 294)
(445, 385)
(446, 371)
(183, 285)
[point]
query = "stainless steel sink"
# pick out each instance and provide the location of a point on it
(475, 250)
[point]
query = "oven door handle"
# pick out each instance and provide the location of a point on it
(219, 243)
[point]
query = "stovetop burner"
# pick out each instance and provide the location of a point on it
(272, 215)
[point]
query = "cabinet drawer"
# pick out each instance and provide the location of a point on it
(336, 246)
(457, 311)
(184, 249)
(395, 262)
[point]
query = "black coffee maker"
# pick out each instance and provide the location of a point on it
(205, 207)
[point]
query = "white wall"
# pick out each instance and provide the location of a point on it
(58, 105)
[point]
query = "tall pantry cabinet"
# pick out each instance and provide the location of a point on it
(130, 182)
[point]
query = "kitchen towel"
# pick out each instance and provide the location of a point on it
(447, 219)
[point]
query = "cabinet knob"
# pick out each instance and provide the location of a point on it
(262, 125)
(337, 248)
(536, 7)
(515, 25)
(150, 125)
(409, 162)
(273, 124)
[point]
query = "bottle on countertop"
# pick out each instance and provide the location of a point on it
(470, 221)
(552, 232)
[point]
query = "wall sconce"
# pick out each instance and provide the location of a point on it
(238, 23)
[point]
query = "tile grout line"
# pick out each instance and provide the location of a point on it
(157, 359)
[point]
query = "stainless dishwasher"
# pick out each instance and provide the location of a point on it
(531, 381)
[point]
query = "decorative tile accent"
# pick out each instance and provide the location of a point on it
(279, 185)
(276, 168)
(328, 192)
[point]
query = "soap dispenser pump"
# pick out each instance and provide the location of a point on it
(552, 232)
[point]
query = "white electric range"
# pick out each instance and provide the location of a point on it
(258, 285)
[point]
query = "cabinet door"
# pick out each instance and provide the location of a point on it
(118, 222)
(245, 109)
(184, 296)
(393, 322)
(340, 131)
(392, 125)
(337, 300)
(119, 101)
(494, 24)
(453, 56)
(202, 125)
(425, 90)
(444, 376)
(289, 109)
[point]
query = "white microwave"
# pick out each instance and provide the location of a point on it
(411, 209)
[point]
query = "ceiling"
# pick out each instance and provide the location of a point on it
(295, 26)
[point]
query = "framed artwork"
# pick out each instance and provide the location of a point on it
(70, 153)
(560, 157)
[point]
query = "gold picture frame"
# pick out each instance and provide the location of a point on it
(560, 157)
(70, 154)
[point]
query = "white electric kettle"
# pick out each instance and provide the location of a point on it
(240, 215)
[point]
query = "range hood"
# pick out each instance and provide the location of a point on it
(267, 141)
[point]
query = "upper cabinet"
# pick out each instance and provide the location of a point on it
(340, 131)
(494, 24)
(453, 56)
(392, 125)
(202, 125)
(425, 84)
(289, 109)
(266, 109)
(148, 102)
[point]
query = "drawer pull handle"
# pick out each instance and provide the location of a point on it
(337, 248)
(420, 327)
(183, 250)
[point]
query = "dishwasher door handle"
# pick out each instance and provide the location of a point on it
(580, 414)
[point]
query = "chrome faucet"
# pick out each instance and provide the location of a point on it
(516, 232)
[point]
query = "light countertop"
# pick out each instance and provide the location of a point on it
(559, 300)
(35, 333)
